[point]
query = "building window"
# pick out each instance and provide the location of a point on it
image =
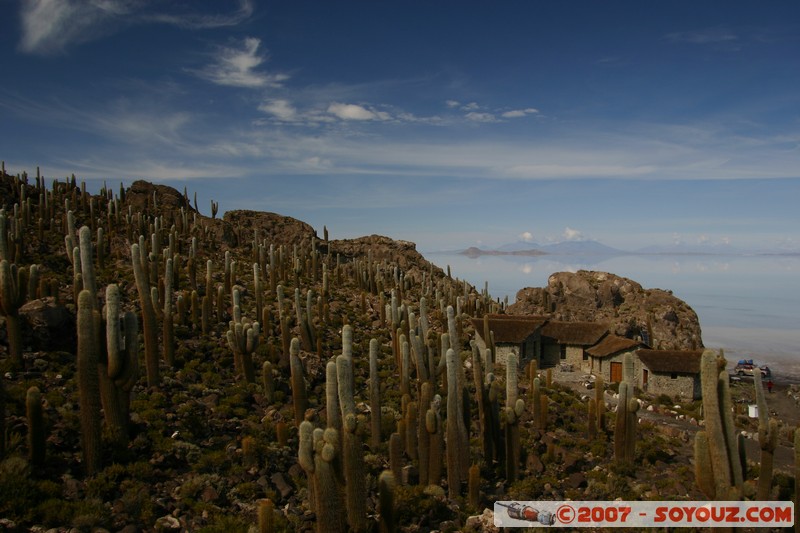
(563, 352)
(674, 375)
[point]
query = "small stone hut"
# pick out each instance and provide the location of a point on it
(566, 342)
(605, 357)
(672, 372)
(512, 333)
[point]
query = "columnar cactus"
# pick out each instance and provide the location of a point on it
(267, 381)
(87, 262)
(36, 433)
(148, 316)
(621, 423)
(767, 439)
(723, 454)
(2, 418)
(120, 370)
(456, 446)
(536, 395)
(266, 516)
(88, 385)
(374, 395)
(243, 336)
(411, 424)
(353, 463)
(299, 398)
(332, 409)
(600, 403)
(386, 485)
(474, 487)
(433, 425)
(13, 287)
(396, 455)
(515, 406)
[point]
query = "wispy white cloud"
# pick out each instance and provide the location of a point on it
(200, 21)
(236, 66)
(52, 26)
(452, 103)
(49, 26)
(356, 112)
(518, 113)
(525, 236)
(281, 109)
(477, 116)
(704, 36)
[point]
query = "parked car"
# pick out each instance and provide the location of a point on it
(746, 367)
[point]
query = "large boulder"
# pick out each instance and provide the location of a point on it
(602, 297)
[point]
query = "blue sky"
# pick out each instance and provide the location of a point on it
(450, 124)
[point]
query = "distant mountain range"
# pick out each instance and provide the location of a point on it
(595, 248)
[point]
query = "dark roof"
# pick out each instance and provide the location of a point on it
(683, 361)
(510, 328)
(613, 344)
(575, 333)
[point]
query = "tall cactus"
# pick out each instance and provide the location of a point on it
(353, 463)
(767, 439)
(456, 446)
(148, 316)
(374, 395)
(386, 488)
(2, 417)
(722, 447)
(120, 370)
(515, 406)
(299, 398)
(13, 288)
(433, 425)
(626, 421)
(243, 338)
(88, 385)
(36, 434)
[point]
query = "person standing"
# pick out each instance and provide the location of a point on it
(769, 385)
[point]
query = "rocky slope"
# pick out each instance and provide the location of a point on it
(629, 308)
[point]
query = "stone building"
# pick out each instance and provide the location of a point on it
(512, 333)
(566, 342)
(605, 358)
(672, 372)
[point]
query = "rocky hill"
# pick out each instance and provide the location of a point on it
(654, 314)
(213, 424)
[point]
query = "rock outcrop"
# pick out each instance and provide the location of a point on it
(238, 227)
(655, 314)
